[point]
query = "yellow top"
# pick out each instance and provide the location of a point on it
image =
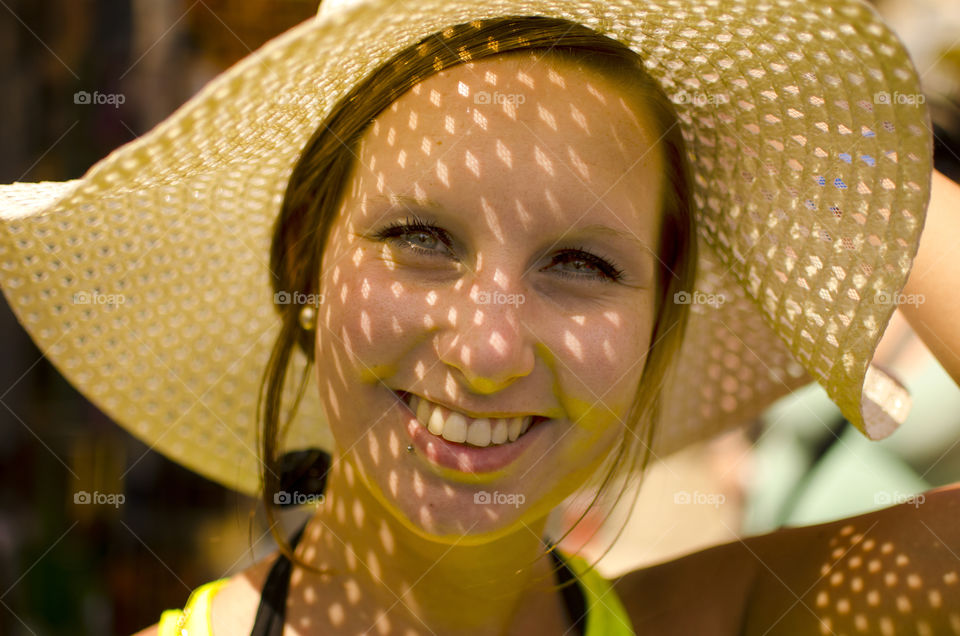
(606, 615)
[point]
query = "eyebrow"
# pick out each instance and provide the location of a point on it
(592, 228)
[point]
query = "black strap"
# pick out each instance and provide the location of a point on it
(573, 599)
(273, 599)
(272, 610)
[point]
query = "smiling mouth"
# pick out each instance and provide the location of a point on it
(461, 429)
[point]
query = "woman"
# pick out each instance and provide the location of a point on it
(507, 235)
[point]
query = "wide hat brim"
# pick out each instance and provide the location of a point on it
(146, 281)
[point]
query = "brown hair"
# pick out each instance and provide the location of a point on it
(316, 185)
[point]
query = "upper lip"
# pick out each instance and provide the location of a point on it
(469, 413)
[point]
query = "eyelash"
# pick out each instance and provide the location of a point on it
(608, 270)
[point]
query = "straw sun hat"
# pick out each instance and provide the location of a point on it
(145, 282)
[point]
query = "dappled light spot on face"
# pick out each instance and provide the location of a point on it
(386, 538)
(373, 447)
(358, 513)
(543, 160)
(581, 167)
(350, 556)
(573, 346)
(497, 343)
(504, 154)
(426, 519)
(596, 93)
(365, 325)
(381, 622)
(553, 205)
(373, 564)
(547, 117)
(442, 173)
(480, 120)
(418, 483)
(393, 483)
(579, 118)
(394, 441)
(472, 163)
(492, 219)
(352, 590)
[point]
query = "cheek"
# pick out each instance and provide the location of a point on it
(371, 320)
(600, 364)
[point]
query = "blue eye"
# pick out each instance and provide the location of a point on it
(418, 235)
(425, 238)
(586, 265)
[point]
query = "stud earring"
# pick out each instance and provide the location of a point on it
(308, 318)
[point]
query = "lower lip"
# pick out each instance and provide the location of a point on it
(463, 457)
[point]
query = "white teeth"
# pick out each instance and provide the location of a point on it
(435, 424)
(458, 428)
(455, 428)
(423, 409)
(514, 425)
(479, 433)
(499, 433)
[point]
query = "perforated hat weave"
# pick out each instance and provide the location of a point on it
(146, 281)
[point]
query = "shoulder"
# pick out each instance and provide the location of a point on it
(717, 582)
(235, 605)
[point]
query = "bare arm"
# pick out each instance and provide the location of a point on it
(935, 277)
(890, 571)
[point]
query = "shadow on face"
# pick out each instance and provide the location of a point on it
(490, 286)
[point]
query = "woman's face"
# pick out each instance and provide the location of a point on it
(525, 287)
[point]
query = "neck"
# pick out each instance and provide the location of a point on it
(412, 580)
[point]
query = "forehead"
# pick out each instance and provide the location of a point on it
(517, 129)
(548, 95)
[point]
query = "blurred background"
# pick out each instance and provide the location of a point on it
(72, 568)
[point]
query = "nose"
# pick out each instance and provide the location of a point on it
(489, 344)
